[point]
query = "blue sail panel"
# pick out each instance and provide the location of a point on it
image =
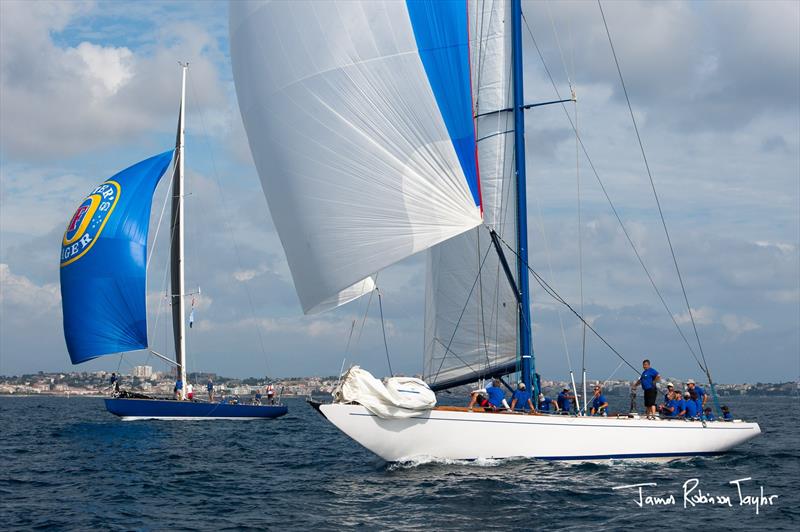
(103, 259)
(442, 35)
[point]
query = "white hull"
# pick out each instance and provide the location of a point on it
(461, 435)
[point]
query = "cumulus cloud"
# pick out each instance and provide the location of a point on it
(60, 100)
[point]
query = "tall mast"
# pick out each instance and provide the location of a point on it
(176, 249)
(525, 351)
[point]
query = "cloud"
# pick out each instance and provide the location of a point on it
(64, 100)
(25, 298)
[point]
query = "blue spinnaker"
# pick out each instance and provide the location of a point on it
(442, 35)
(103, 259)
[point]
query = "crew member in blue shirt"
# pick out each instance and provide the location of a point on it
(210, 388)
(670, 407)
(708, 415)
(701, 393)
(546, 404)
(564, 401)
(648, 381)
(258, 397)
(726, 414)
(495, 397)
(691, 410)
(177, 389)
(521, 398)
(599, 403)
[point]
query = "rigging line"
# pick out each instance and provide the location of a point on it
(555, 295)
(166, 267)
(612, 374)
(383, 328)
(552, 276)
(226, 222)
(482, 318)
(558, 43)
(158, 226)
(580, 243)
(366, 312)
(610, 202)
(463, 309)
(450, 351)
(655, 194)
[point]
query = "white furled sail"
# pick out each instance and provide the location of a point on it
(471, 311)
(396, 397)
(359, 119)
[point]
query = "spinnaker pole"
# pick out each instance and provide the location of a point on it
(525, 350)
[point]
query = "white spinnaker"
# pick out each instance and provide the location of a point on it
(353, 154)
(472, 326)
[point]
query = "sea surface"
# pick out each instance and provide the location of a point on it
(67, 464)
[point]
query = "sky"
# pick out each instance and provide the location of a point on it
(89, 88)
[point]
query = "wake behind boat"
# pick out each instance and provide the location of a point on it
(393, 128)
(103, 282)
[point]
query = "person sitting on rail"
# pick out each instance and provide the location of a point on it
(691, 410)
(701, 393)
(708, 415)
(521, 398)
(726, 414)
(599, 403)
(546, 404)
(670, 389)
(564, 400)
(257, 400)
(490, 397)
(670, 408)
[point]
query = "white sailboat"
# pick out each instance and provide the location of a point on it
(381, 129)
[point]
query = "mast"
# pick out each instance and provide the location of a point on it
(177, 247)
(525, 351)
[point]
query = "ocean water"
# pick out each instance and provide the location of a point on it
(66, 464)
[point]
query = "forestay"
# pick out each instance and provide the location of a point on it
(471, 310)
(398, 397)
(103, 258)
(359, 119)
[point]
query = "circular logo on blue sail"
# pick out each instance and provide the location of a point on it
(88, 222)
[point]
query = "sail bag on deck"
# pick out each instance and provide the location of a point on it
(395, 397)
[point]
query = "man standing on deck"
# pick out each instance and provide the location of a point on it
(648, 381)
(210, 388)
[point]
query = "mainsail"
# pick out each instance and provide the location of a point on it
(471, 309)
(103, 258)
(360, 120)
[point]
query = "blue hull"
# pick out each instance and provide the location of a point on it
(129, 409)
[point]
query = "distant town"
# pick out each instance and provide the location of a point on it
(142, 379)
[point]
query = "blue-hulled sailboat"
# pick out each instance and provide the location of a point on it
(103, 282)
